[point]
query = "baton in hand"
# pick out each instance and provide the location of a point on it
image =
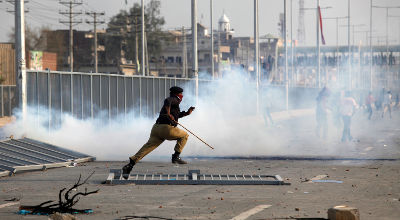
(194, 135)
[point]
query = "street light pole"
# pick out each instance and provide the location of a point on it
(291, 41)
(286, 60)
(256, 52)
(348, 45)
(391, 16)
(318, 50)
(337, 40)
(212, 39)
(20, 76)
(143, 57)
(350, 51)
(370, 48)
(318, 47)
(195, 65)
(387, 38)
(387, 28)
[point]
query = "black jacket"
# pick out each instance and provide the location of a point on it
(173, 103)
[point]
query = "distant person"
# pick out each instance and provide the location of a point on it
(347, 110)
(267, 109)
(369, 102)
(379, 101)
(270, 62)
(322, 112)
(387, 104)
(336, 103)
(164, 129)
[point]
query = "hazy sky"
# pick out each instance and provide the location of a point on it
(240, 13)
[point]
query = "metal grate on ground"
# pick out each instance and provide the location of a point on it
(194, 177)
(26, 154)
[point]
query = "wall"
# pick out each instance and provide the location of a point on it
(7, 63)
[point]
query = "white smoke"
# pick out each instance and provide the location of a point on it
(225, 117)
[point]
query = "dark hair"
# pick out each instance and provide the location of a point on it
(175, 90)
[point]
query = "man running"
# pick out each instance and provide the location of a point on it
(369, 102)
(164, 129)
(347, 110)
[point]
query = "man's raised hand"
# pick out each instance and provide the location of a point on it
(190, 110)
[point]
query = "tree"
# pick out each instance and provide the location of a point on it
(124, 30)
(33, 37)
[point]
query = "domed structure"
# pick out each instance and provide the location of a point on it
(224, 19)
(224, 24)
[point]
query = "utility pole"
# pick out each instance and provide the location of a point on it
(136, 46)
(95, 22)
(370, 47)
(71, 22)
(184, 54)
(212, 39)
(291, 40)
(256, 54)
(317, 9)
(146, 56)
(286, 55)
(348, 46)
(337, 40)
(20, 57)
(219, 53)
(143, 46)
(318, 49)
(195, 68)
(350, 51)
(387, 30)
(396, 16)
(301, 29)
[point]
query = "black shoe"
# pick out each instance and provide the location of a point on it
(178, 160)
(126, 170)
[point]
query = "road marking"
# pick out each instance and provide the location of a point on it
(250, 212)
(8, 204)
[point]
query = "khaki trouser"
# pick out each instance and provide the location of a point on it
(160, 133)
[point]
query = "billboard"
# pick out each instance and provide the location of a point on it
(36, 60)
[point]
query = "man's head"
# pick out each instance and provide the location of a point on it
(176, 91)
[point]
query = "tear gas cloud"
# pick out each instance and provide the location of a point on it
(225, 117)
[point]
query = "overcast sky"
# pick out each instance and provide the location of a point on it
(240, 13)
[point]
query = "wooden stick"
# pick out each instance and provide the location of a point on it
(194, 135)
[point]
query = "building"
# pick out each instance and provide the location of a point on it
(229, 52)
(35, 60)
(176, 56)
(7, 64)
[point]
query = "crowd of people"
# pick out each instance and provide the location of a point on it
(330, 60)
(343, 106)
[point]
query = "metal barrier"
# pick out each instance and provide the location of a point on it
(92, 95)
(27, 154)
(88, 95)
(7, 99)
(194, 177)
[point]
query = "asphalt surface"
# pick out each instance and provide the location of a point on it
(368, 167)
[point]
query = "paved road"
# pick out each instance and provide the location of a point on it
(370, 175)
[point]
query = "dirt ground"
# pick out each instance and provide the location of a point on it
(368, 168)
(372, 187)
